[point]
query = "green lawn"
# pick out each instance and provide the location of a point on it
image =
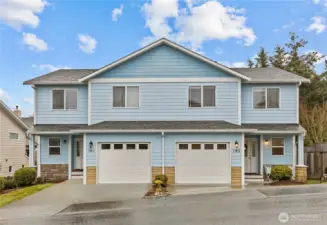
(314, 182)
(21, 193)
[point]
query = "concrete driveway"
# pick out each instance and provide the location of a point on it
(56, 198)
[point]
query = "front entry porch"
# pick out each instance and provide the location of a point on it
(77, 158)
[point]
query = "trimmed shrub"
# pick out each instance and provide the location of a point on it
(40, 180)
(163, 178)
(281, 173)
(25, 176)
(2, 183)
(10, 184)
(9, 178)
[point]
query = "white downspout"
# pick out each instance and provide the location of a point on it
(163, 152)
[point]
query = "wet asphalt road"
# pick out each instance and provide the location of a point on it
(238, 208)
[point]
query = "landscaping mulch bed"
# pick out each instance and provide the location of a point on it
(286, 182)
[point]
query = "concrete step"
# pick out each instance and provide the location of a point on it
(77, 177)
(77, 173)
(256, 181)
(253, 176)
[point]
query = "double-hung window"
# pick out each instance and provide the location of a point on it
(54, 146)
(277, 145)
(126, 97)
(65, 99)
(13, 136)
(266, 98)
(202, 96)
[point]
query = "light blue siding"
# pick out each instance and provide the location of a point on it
(155, 140)
(54, 159)
(170, 144)
(46, 115)
(285, 114)
(164, 61)
(270, 159)
(164, 101)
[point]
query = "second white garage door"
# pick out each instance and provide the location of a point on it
(124, 163)
(203, 163)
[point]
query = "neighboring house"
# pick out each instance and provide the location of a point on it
(166, 109)
(12, 140)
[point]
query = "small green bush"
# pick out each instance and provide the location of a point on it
(25, 176)
(10, 184)
(9, 178)
(2, 183)
(161, 177)
(40, 180)
(281, 173)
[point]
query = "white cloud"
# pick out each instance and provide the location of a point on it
(87, 43)
(233, 64)
(318, 25)
(285, 26)
(34, 43)
(117, 12)
(49, 67)
(196, 23)
(316, 1)
(17, 13)
(4, 96)
(28, 100)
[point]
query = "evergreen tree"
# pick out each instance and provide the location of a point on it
(262, 58)
(280, 58)
(250, 63)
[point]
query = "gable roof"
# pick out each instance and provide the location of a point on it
(270, 75)
(62, 76)
(157, 43)
(13, 115)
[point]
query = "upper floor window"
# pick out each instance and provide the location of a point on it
(64, 99)
(13, 136)
(202, 96)
(126, 97)
(266, 98)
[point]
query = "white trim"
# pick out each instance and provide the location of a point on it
(89, 103)
(163, 80)
(278, 132)
(39, 156)
(84, 158)
(261, 154)
(171, 44)
(294, 154)
(34, 119)
(239, 103)
(159, 131)
(297, 104)
(65, 94)
(242, 159)
(274, 81)
(163, 152)
(266, 98)
(69, 156)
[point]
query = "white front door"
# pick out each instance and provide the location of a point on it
(78, 149)
(251, 158)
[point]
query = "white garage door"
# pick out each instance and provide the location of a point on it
(124, 163)
(203, 163)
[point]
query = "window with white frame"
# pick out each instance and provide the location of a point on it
(126, 97)
(13, 136)
(65, 99)
(54, 146)
(202, 96)
(266, 98)
(277, 145)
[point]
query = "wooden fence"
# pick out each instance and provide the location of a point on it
(315, 157)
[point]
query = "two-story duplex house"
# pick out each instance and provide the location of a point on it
(166, 109)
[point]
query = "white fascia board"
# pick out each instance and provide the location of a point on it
(168, 131)
(163, 80)
(279, 132)
(171, 44)
(48, 132)
(277, 81)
